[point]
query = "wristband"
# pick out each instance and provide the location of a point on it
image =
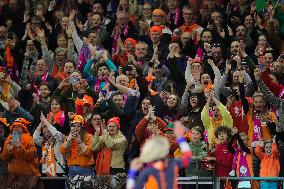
(132, 173)
(181, 139)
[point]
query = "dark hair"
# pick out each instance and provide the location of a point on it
(56, 98)
(70, 61)
(46, 84)
(200, 130)
(205, 30)
(116, 93)
(245, 15)
(223, 129)
(97, 13)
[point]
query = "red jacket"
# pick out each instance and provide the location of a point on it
(274, 87)
(240, 120)
(224, 160)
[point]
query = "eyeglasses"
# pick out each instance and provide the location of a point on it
(157, 16)
(140, 49)
(216, 45)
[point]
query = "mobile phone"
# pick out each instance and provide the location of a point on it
(104, 92)
(73, 80)
(15, 137)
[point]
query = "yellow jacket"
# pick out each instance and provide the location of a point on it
(211, 125)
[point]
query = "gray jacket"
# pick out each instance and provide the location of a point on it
(59, 138)
(275, 101)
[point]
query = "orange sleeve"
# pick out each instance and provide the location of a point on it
(64, 150)
(161, 124)
(275, 152)
(28, 153)
(140, 130)
(88, 151)
(5, 155)
(258, 152)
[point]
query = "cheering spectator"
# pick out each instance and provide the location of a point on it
(79, 156)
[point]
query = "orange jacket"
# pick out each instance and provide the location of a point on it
(265, 130)
(269, 166)
(140, 130)
(84, 157)
(23, 160)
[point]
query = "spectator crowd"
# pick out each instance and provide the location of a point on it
(86, 83)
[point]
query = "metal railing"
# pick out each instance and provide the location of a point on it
(215, 181)
(195, 180)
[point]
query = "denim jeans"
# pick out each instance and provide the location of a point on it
(82, 171)
(268, 185)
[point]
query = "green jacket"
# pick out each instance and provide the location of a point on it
(199, 151)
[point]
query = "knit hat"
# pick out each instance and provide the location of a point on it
(169, 127)
(22, 122)
(133, 41)
(114, 120)
(154, 149)
(3, 121)
(78, 119)
(159, 12)
(156, 29)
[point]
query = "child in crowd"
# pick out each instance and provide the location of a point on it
(199, 151)
(242, 162)
(269, 166)
(221, 153)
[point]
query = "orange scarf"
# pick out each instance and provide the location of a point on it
(9, 58)
(6, 89)
(103, 161)
(25, 139)
(56, 70)
(58, 118)
(74, 149)
(49, 160)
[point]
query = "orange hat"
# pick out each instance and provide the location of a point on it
(114, 120)
(157, 29)
(88, 100)
(22, 122)
(78, 119)
(133, 41)
(159, 12)
(3, 121)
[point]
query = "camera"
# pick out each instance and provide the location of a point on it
(73, 80)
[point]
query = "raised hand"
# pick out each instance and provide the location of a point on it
(234, 130)
(257, 74)
(43, 119)
(52, 4)
(179, 129)
(69, 31)
(40, 32)
(136, 164)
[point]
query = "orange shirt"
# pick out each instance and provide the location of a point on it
(269, 166)
(23, 160)
(84, 158)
